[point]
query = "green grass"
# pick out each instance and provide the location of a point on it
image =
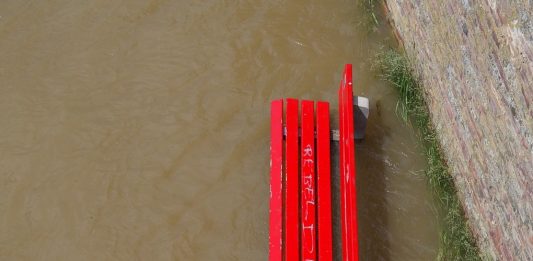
(456, 241)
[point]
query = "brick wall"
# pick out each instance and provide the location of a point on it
(475, 59)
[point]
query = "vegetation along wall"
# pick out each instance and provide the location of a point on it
(475, 61)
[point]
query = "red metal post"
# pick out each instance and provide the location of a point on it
(308, 213)
(347, 169)
(325, 244)
(292, 244)
(276, 175)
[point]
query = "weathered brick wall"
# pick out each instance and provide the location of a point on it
(475, 59)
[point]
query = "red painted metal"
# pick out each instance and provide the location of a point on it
(351, 167)
(342, 150)
(292, 244)
(276, 174)
(325, 252)
(308, 213)
(301, 236)
(347, 169)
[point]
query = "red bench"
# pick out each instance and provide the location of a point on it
(300, 179)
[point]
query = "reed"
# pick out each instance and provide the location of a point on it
(370, 19)
(456, 240)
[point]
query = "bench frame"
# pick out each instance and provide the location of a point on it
(300, 179)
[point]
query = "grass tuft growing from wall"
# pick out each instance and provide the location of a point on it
(456, 240)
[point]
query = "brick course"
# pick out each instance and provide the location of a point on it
(475, 60)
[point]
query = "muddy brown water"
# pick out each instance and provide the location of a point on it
(138, 130)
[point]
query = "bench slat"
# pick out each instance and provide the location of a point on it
(308, 213)
(352, 187)
(292, 245)
(347, 169)
(325, 252)
(276, 147)
(342, 150)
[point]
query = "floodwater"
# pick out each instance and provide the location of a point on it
(139, 130)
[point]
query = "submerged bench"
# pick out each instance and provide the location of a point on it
(300, 178)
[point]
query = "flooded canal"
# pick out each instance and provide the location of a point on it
(139, 130)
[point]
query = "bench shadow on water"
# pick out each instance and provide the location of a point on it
(374, 238)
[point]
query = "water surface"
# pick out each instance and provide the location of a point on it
(138, 130)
